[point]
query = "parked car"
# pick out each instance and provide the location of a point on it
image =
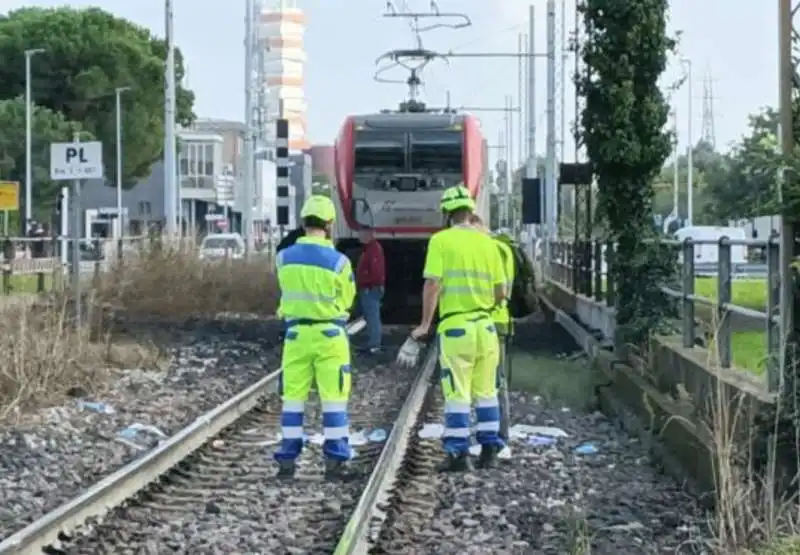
(221, 246)
(90, 251)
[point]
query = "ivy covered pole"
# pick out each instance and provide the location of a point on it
(623, 131)
(788, 144)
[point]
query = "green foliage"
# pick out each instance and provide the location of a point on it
(47, 127)
(707, 164)
(88, 54)
(622, 128)
(747, 183)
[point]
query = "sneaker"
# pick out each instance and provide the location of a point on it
(286, 469)
(457, 462)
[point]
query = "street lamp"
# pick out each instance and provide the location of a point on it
(118, 93)
(687, 63)
(28, 138)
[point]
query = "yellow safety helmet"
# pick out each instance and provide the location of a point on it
(457, 197)
(319, 206)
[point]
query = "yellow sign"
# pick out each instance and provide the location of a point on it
(9, 196)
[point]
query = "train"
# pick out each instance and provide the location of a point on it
(391, 168)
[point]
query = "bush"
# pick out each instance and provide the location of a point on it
(172, 281)
(46, 357)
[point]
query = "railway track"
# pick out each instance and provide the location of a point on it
(212, 488)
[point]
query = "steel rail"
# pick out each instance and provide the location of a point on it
(355, 539)
(113, 490)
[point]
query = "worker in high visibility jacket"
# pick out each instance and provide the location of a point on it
(317, 292)
(464, 275)
(504, 325)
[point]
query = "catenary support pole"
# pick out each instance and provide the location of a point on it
(689, 148)
(170, 167)
(550, 172)
(249, 173)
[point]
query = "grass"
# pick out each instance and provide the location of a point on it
(748, 293)
(554, 379)
(47, 357)
(749, 350)
(26, 284)
(782, 546)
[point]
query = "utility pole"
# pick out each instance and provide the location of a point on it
(551, 183)
(170, 167)
(530, 167)
(510, 166)
(787, 141)
(506, 137)
(249, 155)
(120, 221)
(28, 140)
(521, 71)
(563, 79)
(690, 147)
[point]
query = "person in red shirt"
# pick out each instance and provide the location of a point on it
(370, 281)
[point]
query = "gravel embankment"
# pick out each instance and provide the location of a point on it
(51, 456)
(552, 499)
(593, 490)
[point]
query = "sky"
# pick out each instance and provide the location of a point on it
(738, 48)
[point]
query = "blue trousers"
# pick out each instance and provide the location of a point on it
(370, 301)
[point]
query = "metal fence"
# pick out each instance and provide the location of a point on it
(582, 267)
(36, 264)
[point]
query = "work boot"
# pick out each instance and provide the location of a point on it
(457, 462)
(488, 456)
(286, 469)
(336, 471)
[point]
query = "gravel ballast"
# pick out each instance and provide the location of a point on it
(52, 455)
(561, 496)
(227, 499)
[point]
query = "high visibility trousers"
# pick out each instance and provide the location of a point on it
(315, 352)
(469, 354)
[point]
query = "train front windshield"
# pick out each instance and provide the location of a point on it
(437, 151)
(380, 150)
(414, 151)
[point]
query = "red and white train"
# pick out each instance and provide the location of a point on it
(391, 170)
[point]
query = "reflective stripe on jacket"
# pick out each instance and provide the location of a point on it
(316, 281)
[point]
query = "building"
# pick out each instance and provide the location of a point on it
(210, 176)
(280, 30)
(322, 161)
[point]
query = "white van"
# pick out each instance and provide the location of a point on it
(708, 253)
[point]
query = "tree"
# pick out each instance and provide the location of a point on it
(746, 186)
(88, 54)
(48, 127)
(707, 166)
(622, 129)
